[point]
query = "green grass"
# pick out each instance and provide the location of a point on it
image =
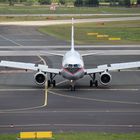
(38, 9)
(5, 9)
(8, 136)
(128, 31)
(83, 136)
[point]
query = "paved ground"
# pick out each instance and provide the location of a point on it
(115, 108)
(25, 36)
(54, 22)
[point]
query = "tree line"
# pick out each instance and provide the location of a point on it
(77, 3)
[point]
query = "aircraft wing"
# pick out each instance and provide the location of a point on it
(29, 66)
(114, 67)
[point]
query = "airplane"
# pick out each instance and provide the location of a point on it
(72, 68)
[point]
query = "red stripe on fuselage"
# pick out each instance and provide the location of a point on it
(80, 69)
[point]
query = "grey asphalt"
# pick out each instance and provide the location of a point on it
(26, 36)
(115, 108)
(105, 109)
(56, 22)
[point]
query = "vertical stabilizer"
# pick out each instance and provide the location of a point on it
(72, 36)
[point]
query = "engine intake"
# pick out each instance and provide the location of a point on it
(105, 78)
(40, 78)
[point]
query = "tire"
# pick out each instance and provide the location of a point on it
(49, 83)
(72, 88)
(96, 83)
(91, 83)
(54, 83)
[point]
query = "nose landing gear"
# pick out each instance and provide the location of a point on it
(72, 86)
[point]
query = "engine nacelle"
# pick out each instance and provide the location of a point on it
(40, 78)
(105, 78)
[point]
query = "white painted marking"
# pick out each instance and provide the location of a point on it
(46, 94)
(71, 111)
(42, 52)
(57, 22)
(10, 40)
(41, 58)
(70, 125)
(99, 89)
(61, 82)
(22, 109)
(23, 53)
(28, 89)
(77, 46)
(89, 99)
(46, 84)
(95, 99)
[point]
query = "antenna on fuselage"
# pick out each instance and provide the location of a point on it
(72, 35)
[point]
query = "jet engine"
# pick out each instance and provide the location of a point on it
(40, 78)
(105, 78)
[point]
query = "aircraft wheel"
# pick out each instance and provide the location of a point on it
(91, 83)
(49, 83)
(72, 88)
(54, 83)
(96, 83)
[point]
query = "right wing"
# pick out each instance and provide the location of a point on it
(29, 66)
(113, 67)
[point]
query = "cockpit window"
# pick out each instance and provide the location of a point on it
(75, 65)
(70, 65)
(66, 66)
(79, 66)
(73, 68)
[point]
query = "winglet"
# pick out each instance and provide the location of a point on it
(72, 35)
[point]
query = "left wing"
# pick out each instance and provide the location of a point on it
(29, 66)
(113, 67)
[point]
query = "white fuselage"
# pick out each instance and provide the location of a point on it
(72, 66)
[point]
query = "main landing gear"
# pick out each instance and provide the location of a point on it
(51, 81)
(93, 81)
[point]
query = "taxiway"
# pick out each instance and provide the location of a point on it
(25, 106)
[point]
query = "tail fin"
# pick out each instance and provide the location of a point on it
(72, 36)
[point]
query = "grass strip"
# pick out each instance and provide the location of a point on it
(128, 31)
(83, 136)
(40, 9)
